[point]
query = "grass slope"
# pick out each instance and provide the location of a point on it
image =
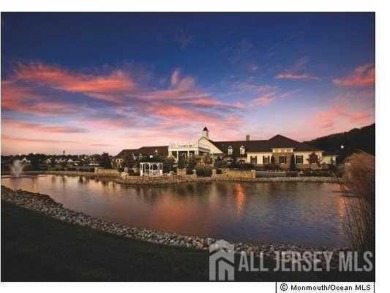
(38, 248)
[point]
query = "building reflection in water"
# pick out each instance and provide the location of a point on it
(300, 213)
(239, 195)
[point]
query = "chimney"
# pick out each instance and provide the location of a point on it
(248, 137)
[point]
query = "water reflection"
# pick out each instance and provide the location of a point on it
(239, 194)
(300, 213)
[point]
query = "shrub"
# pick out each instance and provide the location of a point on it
(271, 167)
(359, 193)
(292, 173)
(220, 164)
(241, 166)
(204, 171)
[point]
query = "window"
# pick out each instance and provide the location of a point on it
(299, 159)
(230, 150)
(254, 160)
(265, 160)
(242, 150)
(282, 160)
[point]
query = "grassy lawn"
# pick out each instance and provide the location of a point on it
(38, 248)
(35, 247)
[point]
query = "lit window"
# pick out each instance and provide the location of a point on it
(230, 150)
(242, 150)
(265, 160)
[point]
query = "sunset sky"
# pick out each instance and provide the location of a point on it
(93, 83)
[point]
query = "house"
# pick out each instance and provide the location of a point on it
(329, 158)
(278, 150)
(130, 156)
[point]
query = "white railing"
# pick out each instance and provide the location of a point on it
(182, 146)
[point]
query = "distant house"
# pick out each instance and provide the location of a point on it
(133, 155)
(278, 150)
(329, 158)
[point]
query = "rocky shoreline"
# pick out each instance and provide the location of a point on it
(46, 205)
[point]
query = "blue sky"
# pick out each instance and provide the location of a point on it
(96, 82)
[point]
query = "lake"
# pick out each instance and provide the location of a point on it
(303, 213)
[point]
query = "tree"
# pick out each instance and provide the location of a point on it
(314, 159)
(181, 162)
(35, 160)
(168, 164)
(128, 160)
(292, 163)
(105, 161)
(190, 163)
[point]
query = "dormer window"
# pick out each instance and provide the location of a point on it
(230, 150)
(242, 150)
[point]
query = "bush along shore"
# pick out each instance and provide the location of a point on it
(46, 205)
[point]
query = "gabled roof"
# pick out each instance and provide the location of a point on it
(145, 150)
(125, 152)
(148, 150)
(278, 141)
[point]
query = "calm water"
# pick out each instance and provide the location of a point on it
(297, 213)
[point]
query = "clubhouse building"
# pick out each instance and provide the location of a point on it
(278, 150)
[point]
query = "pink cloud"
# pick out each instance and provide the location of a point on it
(102, 87)
(264, 100)
(17, 126)
(180, 114)
(181, 83)
(25, 99)
(295, 72)
(206, 102)
(9, 138)
(137, 115)
(362, 76)
(340, 117)
(251, 87)
(295, 76)
(175, 77)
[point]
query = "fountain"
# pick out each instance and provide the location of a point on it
(17, 168)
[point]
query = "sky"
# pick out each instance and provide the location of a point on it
(101, 82)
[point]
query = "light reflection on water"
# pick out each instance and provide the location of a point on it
(290, 212)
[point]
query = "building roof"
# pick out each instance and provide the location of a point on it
(149, 150)
(125, 152)
(145, 150)
(205, 129)
(278, 141)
